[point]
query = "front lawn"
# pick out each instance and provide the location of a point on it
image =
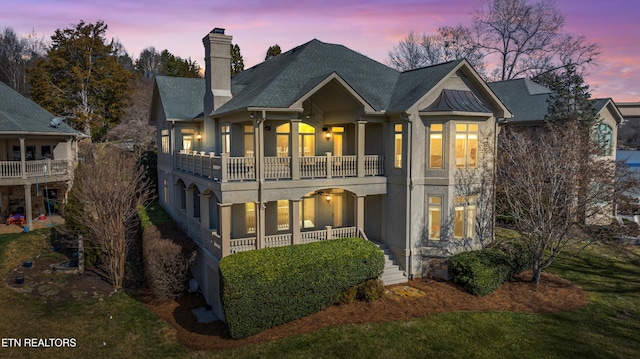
(121, 326)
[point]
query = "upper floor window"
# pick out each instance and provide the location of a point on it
(397, 145)
(466, 145)
(187, 139)
(435, 145)
(306, 139)
(604, 138)
(225, 138)
(165, 141)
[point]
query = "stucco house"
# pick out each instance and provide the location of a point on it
(38, 154)
(322, 142)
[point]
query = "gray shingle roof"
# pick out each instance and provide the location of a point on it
(181, 97)
(282, 80)
(526, 99)
(19, 114)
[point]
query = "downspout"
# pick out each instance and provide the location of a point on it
(408, 261)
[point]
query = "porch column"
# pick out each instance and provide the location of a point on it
(360, 147)
(28, 213)
(294, 148)
(294, 214)
(258, 148)
(260, 226)
(23, 158)
(225, 228)
(360, 212)
(189, 202)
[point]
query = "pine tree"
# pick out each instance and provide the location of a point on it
(237, 63)
(82, 79)
(273, 51)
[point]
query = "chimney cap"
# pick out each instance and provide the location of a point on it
(217, 30)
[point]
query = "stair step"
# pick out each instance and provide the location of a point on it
(392, 274)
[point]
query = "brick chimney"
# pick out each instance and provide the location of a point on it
(217, 74)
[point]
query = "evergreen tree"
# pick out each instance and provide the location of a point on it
(237, 63)
(273, 51)
(82, 79)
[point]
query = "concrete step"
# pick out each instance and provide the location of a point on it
(392, 274)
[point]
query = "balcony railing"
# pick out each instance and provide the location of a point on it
(225, 168)
(13, 169)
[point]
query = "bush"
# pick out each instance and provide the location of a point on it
(372, 290)
(265, 288)
(480, 272)
(167, 262)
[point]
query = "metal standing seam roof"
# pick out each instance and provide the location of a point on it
(458, 100)
(21, 115)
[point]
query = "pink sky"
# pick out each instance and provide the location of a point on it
(369, 27)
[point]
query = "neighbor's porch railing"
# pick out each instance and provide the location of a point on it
(13, 169)
(224, 168)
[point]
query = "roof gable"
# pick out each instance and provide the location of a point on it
(181, 98)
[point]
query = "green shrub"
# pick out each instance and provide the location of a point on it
(371, 290)
(265, 288)
(480, 272)
(349, 296)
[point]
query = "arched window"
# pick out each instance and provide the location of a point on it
(604, 137)
(306, 139)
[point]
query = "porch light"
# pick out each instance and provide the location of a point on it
(199, 137)
(327, 197)
(327, 134)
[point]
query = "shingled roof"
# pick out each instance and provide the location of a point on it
(181, 97)
(20, 115)
(526, 99)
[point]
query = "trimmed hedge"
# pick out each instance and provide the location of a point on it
(482, 272)
(265, 288)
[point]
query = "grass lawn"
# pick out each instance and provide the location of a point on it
(609, 327)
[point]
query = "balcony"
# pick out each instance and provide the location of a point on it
(227, 169)
(32, 169)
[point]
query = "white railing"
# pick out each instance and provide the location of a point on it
(13, 169)
(344, 232)
(224, 168)
(278, 240)
(373, 165)
(313, 236)
(237, 245)
(277, 167)
(344, 166)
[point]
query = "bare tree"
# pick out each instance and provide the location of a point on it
(553, 183)
(108, 188)
(448, 44)
(16, 56)
(527, 38)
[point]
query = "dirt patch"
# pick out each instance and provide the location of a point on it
(418, 298)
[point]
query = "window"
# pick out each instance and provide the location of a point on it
(283, 215)
(435, 145)
(308, 212)
(46, 152)
(464, 217)
(306, 140)
(250, 217)
(397, 145)
(604, 136)
(466, 145)
(435, 217)
(187, 139)
(248, 141)
(225, 138)
(166, 190)
(165, 141)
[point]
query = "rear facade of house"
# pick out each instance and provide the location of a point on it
(321, 142)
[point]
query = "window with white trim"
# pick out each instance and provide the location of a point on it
(466, 145)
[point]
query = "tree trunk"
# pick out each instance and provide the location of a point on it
(535, 278)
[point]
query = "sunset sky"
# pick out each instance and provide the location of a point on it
(370, 27)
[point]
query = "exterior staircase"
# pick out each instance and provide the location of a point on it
(392, 273)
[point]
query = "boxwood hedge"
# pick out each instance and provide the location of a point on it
(265, 288)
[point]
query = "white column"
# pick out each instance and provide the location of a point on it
(360, 147)
(360, 212)
(28, 213)
(23, 157)
(293, 147)
(294, 215)
(225, 228)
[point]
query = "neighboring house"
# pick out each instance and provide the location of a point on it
(38, 154)
(321, 142)
(529, 101)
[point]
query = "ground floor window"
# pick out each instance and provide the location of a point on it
(308, 212)
(435, 217)
(283, 215)
(464, 218)
(250, 217)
